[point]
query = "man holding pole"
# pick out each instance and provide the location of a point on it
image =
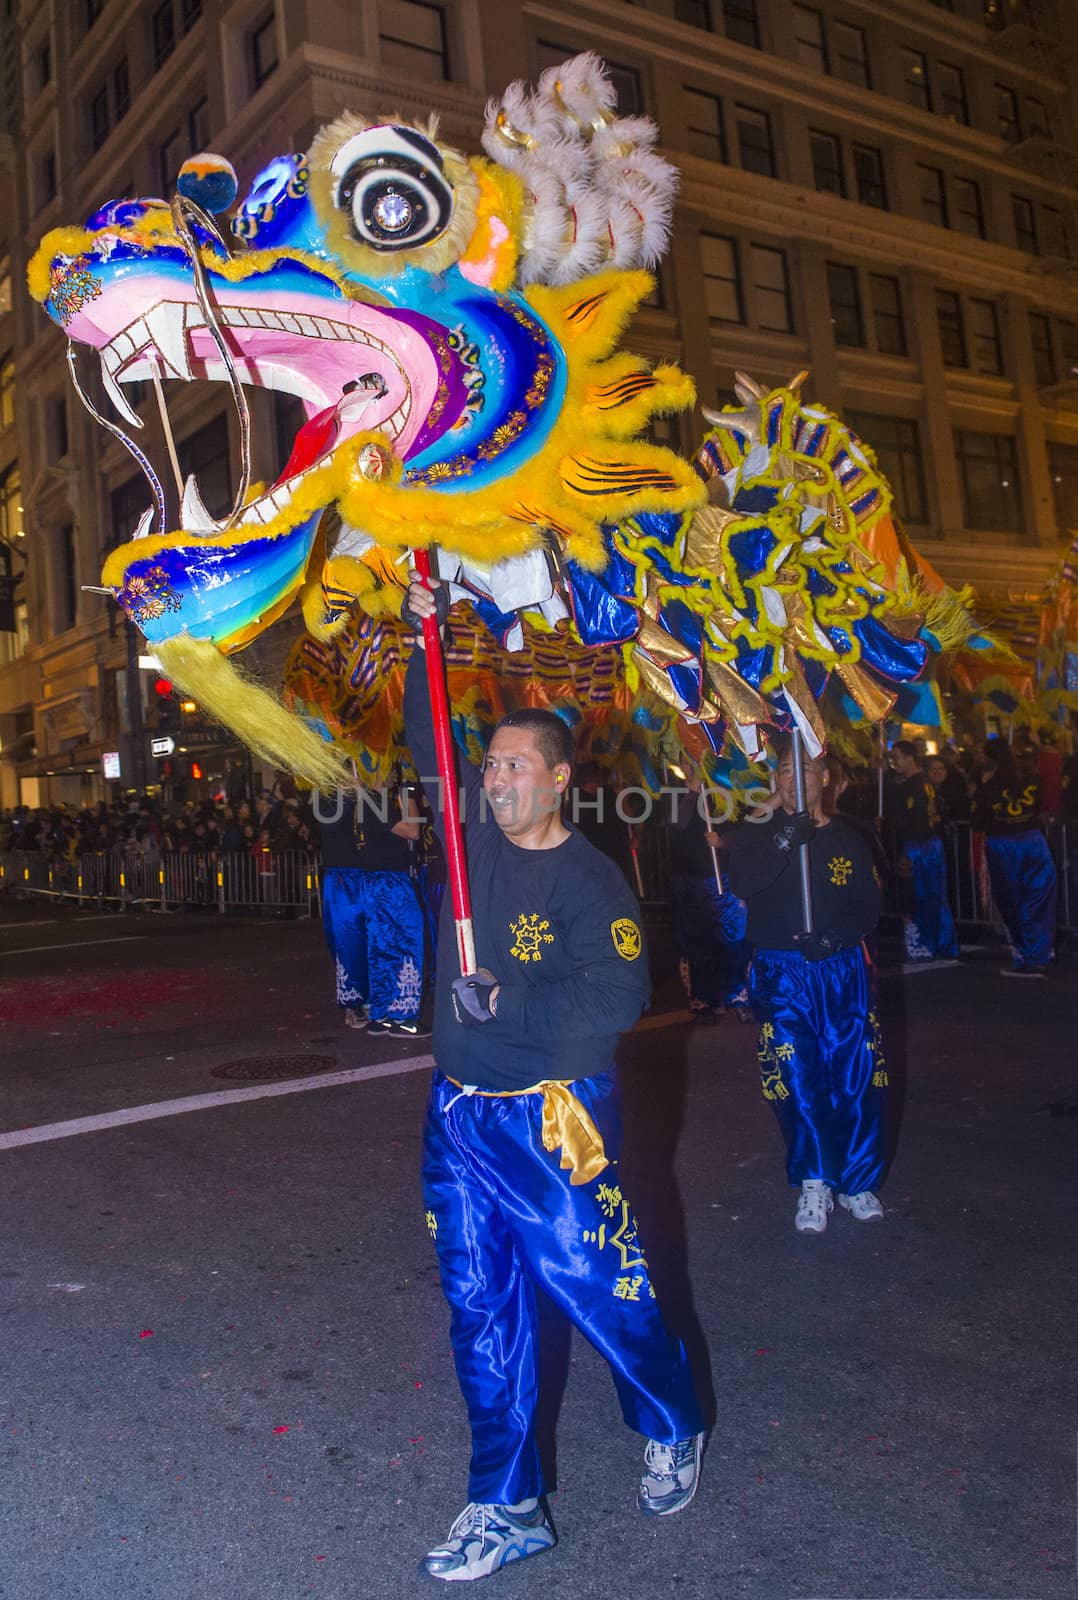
(821, 1057)
(520, 1174)
(709, 919)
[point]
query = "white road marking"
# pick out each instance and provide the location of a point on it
(79, 944)
(47, 1131)
(202, 1102)
(64, 922)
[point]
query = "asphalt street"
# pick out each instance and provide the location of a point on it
(225, 1369)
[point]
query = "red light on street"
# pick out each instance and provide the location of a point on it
(163, 687)
(196, 770)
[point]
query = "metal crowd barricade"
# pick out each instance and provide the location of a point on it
(288, 884)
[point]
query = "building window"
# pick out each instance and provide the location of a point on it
(984, 338)
(1007, 114)
(868, 176)
(896, 444)
(56, 440)
(126, 507)
(933, 195)
(1068, 344)
(92, 9)
(206, 454)
(754, 141)
(1038, 124)
(7, 389)
(1063, 466)
(190, 11)
(968, 213)
(67, 578)
(263, 37)
(988, 469)
(99, 118)
(722, 280)
(47, 177)
(826, 162)
(771, 289)
(951, 92)
(1025, 224)
(413, 37)
(164, 33)
(11, 512)
(952, 333)
(1044, 358)
(742, 23)
(703, 117)
(43, 65)
(849, 54)
(5, 285)
(182, 142)
(810, 43)
(1054, 232)
(845, 297)
(121, 89)
(915, 78)
(695, 13)
(627, 86)
(885, 298)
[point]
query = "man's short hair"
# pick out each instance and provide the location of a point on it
(906, 747)
(553, 739)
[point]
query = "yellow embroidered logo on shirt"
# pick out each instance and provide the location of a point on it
(528, 934)
(841, 870)
(626, 937)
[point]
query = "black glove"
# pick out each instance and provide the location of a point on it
(441, 609)
(816, 946)
(794, 832)
(471, 998)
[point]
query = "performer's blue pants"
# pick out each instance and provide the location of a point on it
(822, 1067)
(709, 930)
(930, 929)
(504, 1215)
(1024, 883)
(374, 927)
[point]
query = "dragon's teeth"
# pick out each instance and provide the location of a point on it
(166, 329)
(118, 398)
(144, 523)
(193, 514)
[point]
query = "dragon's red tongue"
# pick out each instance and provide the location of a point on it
(312, 441)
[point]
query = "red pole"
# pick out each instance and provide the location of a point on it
(447, 772)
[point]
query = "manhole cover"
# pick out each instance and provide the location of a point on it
(266, 1069)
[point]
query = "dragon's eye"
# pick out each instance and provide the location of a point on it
(391, 183)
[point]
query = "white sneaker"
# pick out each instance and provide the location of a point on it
(813, 1207)
(484, 1538)
(673, 1472)
(864, 1206)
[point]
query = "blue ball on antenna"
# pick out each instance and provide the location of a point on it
(209, 180)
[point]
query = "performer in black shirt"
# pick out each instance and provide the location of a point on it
(820, 1053)
(910, 809)
(520, 1173)
(1007, 809)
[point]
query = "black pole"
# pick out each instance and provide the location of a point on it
(136, 727)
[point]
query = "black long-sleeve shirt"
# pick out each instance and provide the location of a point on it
(558, 928)
(910, 808)
(1000, 808)
(845, 886)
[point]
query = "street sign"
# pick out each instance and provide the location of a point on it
(111, 762)
(162, 747)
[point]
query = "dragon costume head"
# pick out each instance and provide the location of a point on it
(451, 325)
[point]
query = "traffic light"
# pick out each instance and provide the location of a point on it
(168, 706)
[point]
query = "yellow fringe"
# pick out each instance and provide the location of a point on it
(254, 715)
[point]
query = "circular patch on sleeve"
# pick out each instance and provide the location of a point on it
(627, 940)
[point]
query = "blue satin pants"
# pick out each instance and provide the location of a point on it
(822, 1067)
(503, 1215)
(709, 931)
(374, 928)
(930, 930)
(1024, 886)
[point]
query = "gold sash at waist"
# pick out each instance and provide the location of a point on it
(567, 1126)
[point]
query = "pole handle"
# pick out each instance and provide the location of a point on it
(447, 772)
(804, 863)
